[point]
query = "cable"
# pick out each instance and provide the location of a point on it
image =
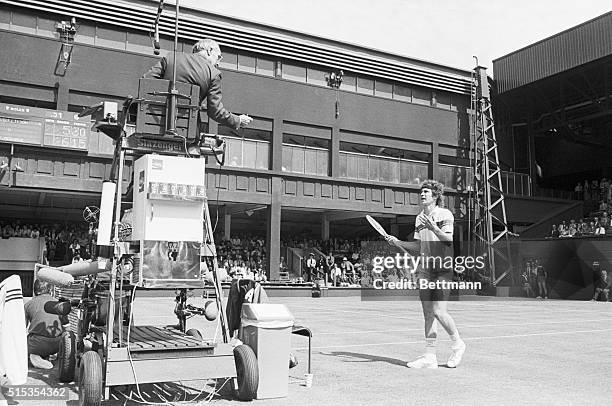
(218, 187)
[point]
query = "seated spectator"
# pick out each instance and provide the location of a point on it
(8, 231)
(44, 329)
(600, 229)
(591, 228)
(563, 229)
(572, 228)
(554, 232)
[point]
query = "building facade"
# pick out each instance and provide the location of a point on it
(315, 161)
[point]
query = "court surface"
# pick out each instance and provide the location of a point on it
(533, 352)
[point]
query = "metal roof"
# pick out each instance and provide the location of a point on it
(260, 39)
(576, 46)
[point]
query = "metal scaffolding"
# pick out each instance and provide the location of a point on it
(490, 228)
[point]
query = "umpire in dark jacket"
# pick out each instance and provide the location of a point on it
(201, 68)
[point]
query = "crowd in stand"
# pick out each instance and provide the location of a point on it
(589, 226)
(599, 194)
(64, 242)
(242, 256)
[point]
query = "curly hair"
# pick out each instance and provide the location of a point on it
(41, 287)
(437, 190)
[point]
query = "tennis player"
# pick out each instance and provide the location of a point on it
(434, 235)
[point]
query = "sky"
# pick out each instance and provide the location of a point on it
(448, 32)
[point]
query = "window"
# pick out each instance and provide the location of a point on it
(382, 164)
(138, 42)
(306, 155)
(421, 96)
(246, 63)
(248, 149)
(365, 86)
(383, 89)
(453, 176)
(24, 23)
(294, 72)
(86, 34)
(229, 61)
(402, 92)
(349, 82)
(316, 77)
(265, 67)
(443, 100)
(110, 38)
(46, 27)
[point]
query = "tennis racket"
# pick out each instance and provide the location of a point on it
(380, 229)
(376, 226)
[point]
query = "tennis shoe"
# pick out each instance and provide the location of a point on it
(455, 358)
(426, 361)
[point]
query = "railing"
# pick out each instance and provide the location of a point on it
(459, 177)
(515, 183)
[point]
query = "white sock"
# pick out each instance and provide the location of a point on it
(430, 346)
(456, 339)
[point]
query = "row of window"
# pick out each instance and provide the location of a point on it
(268, 66)
(312, 160)
(395, 168)
(350, 82)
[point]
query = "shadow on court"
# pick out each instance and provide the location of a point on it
(358, 357)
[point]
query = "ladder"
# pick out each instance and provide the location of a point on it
(487, 203)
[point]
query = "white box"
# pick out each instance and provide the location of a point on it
(169, 198)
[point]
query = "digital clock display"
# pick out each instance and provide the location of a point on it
(66, 134)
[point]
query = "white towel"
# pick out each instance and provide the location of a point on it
(13, 336)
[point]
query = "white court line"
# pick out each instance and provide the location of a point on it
(464, 338)
(467, 325)
(375, 312)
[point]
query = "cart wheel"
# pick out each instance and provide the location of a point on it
(67, 357)
(90, 380)
(194, 332)
(247, 372)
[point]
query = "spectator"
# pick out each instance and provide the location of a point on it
(348, 271)
(526, 285)
(563, 230)
(572, 228)
(541, 278)
(600, 230)
(336, 274)
(311, 268)
(578, 191)
(602, 286)
(554, 233)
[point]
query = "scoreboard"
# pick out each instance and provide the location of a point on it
(43, 127)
